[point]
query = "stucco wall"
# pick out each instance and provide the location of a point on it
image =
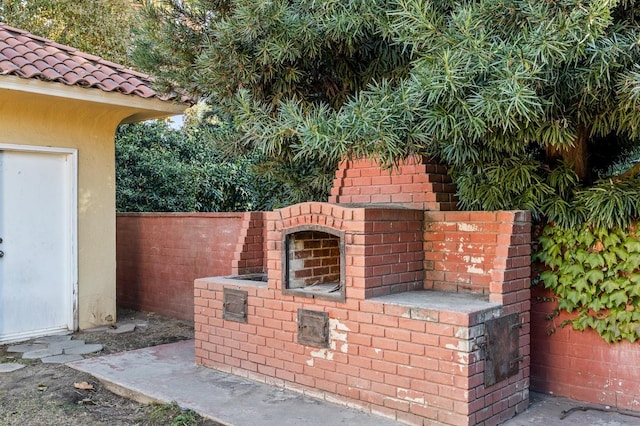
(30, 119)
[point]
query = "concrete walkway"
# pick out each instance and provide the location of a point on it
(167, 373)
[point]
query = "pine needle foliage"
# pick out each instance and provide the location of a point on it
(532, 104)
(99, 27)
(276, 72)
(518, 97)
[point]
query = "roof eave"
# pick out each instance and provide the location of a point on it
(142, 108)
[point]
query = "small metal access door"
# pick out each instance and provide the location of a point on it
(502, 348)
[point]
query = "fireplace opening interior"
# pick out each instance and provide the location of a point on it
(314, 263)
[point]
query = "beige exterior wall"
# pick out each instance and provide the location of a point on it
(89, 127)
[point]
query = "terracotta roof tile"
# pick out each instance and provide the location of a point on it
(18, 61)
(108, 85)
(51, 74)
(7, 67)
(89, 80)
(28, 56)
(102, 77)
(40, 64)
(51, 60)
(72, 79)
(29, 71)
(58, 66)
(9, 53)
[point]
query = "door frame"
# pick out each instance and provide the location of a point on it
(71, 190)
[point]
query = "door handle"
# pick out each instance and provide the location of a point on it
(1, 253)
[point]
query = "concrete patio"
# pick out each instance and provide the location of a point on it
(167, 373)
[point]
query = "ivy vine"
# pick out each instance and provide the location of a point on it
(595, 272)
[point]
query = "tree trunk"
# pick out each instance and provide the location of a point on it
(575, 155)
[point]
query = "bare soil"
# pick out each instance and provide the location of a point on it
(44, 394)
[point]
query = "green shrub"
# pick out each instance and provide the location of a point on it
(163, 169)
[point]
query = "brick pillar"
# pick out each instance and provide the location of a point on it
(250, 253)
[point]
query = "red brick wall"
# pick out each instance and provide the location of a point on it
(160, 254)
(410, 364)
(581, 365)
(416, 183)
(484, 253)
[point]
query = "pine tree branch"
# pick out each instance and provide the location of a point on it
(631, 173)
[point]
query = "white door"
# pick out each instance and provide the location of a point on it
(37, 228)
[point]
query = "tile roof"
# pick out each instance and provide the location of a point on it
(28, 56)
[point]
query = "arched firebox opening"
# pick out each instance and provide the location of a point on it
(313, 262)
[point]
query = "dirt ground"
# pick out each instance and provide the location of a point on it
(44, 394)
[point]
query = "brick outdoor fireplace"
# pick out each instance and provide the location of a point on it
(401, 308)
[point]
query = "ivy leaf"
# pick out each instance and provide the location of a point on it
(554, 253)
(595, 260)
(610, 335)
(611, 240)
(583, 298)
(596, 304)
(582, 322)
(610, 258)
(634, 291)
(563, 304)
(594, 275)
(610, 286)
(631, 264)
(546, 242)
(580, 255)
(549, 278)
(621, 253)
(586, 238)
(623, 316)
(601, 327)
(618, 298)
(575, 269)
(581, 284)
(573, 297)
(632, 246)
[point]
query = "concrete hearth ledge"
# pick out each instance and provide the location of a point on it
(168, 373)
